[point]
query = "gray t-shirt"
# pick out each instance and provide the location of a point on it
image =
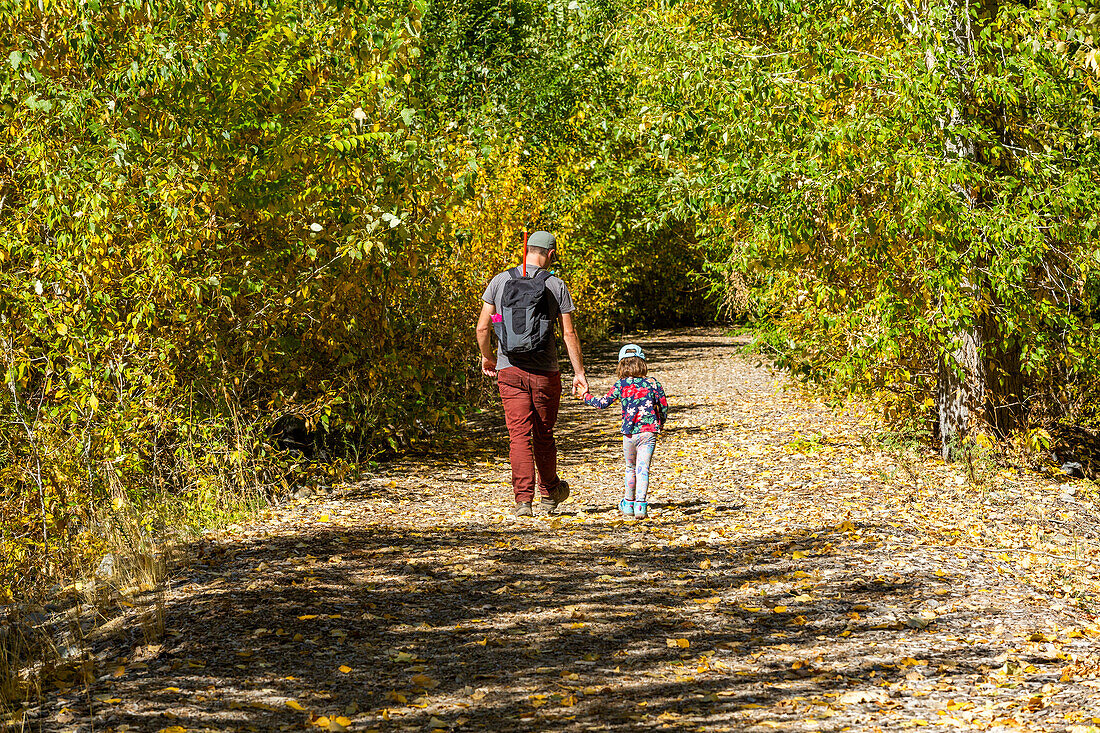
(547, 359)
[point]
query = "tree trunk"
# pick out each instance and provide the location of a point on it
(961, 384)
(960, 392)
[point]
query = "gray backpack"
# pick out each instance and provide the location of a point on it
(527, 314)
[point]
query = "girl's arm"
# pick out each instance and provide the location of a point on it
(604, 402)
(662, 403)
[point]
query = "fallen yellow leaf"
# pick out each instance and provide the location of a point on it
(423, 680)
(345, 668)
(294, 705)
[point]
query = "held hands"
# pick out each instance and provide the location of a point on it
(580, 385)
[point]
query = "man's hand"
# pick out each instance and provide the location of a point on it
(489, 366)
(580, 385)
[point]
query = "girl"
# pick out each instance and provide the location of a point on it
(644, 411)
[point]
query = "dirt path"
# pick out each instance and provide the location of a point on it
(793, 576)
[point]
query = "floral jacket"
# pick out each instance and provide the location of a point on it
(644, 405)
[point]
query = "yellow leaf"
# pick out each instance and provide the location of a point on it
(846, 526)
(798, 554)
(397, 697)
(119, 671)
(423, 680)
(780, 609)
(62, 329)
(321, 722)
(293, 704)
(681, 643)
(173, 729)
(483, 642)
(297, 637)
(705, 565)
(307, 617)
(345, 668)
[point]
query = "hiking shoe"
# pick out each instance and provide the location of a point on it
(523, 509)
(626, 506)
(641, 510)
(558, 494)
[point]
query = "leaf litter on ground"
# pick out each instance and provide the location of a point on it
(792, 576)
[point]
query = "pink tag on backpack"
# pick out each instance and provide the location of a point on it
(497, 318)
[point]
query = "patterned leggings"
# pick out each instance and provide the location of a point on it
(637, 452)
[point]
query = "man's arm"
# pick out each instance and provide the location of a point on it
(484, 342)
(573, 346)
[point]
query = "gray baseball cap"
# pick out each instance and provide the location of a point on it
(545, 240)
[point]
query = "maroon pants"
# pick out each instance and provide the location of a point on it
(531, 401)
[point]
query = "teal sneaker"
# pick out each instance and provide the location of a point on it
(626, 507)
(641, 510)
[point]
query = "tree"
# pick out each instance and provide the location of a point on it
(912, 227)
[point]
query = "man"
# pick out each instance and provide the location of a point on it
(530, 384)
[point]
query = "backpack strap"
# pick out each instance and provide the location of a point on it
(541, 275)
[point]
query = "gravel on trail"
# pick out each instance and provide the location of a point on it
(795, 574)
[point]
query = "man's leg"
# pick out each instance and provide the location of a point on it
(519, 415)
(546, 397)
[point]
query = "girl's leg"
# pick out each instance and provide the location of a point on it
(644, 444)
(629, 457)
